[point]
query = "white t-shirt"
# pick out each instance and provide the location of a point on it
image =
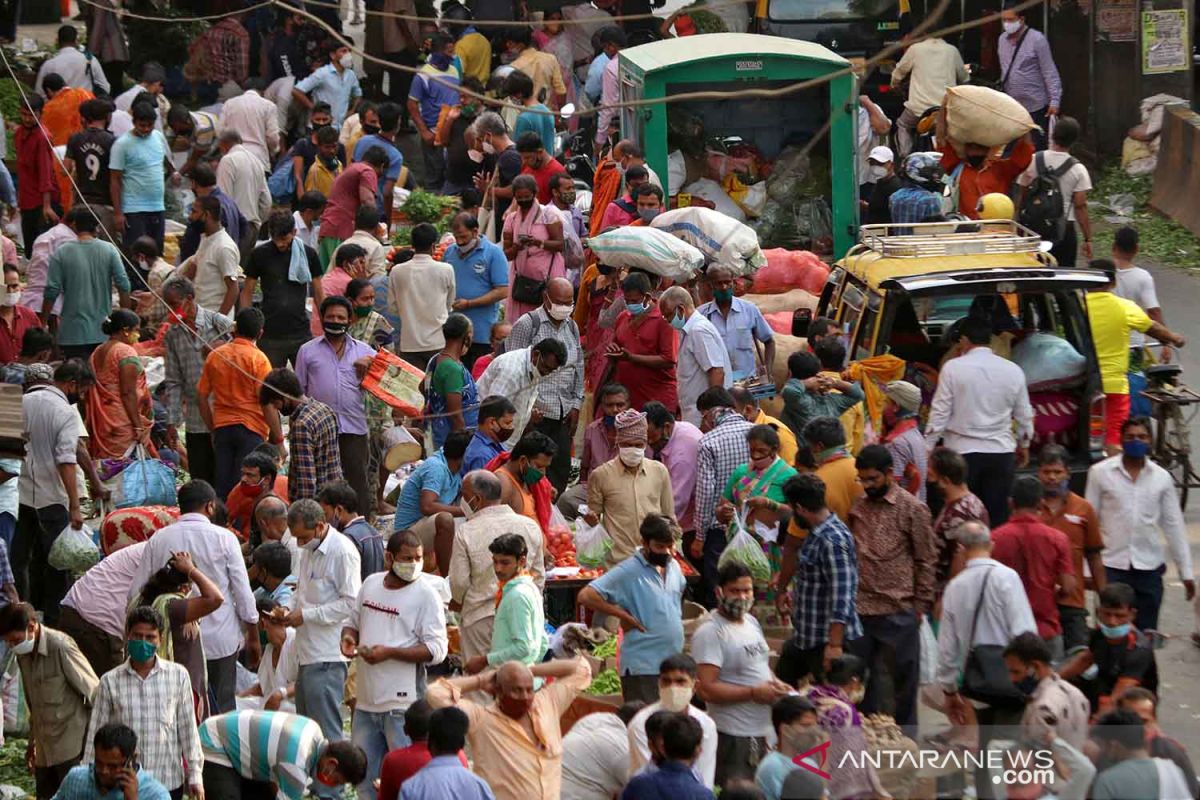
(1075, 180)
(741, 653)
(1137, 285)
(216, 259)
(595, 758)
(395, 618)
(705, 765)
(272, 677)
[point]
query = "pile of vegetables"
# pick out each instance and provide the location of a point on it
(606, 649)
(607, 682)
(746, 550)
(560, 545)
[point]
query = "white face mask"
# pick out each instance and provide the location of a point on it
(857, 695)
(347, 61)
(11, 298)
(468, 512)
(1012, 27)
(475, 155)
(406, 571)
(312, 544)
(25, 647)
(631, 456)
(877, 172)
(489, 148)
(675, 698)
(560, 312)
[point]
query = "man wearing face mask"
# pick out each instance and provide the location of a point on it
(492, 140)
(623, 210)
(473, 581)
(495, 427)
(1053, 706)
(897, 562)
(883, 182)
(480, 279)
(734, 676)
(1061, 508)
(335, 83)
(676, 686)
(983, 169)
(1028, 73)
(519, 374)
(1136, 500)
(535, 161)
(560, 394)
(519, 627)
(643, 351)
(702, 360)
(397, 626)
(741, 325)
(153, 697)
(435, 85)
(315, 457)
(629, 489)
(644, 593)
(59, 689)
(259, 478)
(341, 511)
(516, 743)
(599, 445)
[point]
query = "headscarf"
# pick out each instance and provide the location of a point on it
(631, 427)
(39, 373)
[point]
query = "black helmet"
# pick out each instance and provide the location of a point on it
(925, 170)
(455, 11)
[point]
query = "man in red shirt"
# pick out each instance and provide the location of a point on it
(355, 186)
(643, 349)
(1041, 555)
(537, 162)
(404, 762)
(981, 172)
(15, 319)
(37, 187)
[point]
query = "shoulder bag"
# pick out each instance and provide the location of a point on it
(985, 677)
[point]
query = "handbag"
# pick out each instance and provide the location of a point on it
(528, 290)
(985, 677)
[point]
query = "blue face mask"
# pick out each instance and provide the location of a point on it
(1136, 449)
(1115, 631)
(677, 321)
(637, 308)
(140, 651)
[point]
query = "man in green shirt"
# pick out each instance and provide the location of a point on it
(519, 633)
(84, 272)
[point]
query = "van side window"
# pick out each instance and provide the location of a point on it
(863, 344)
(851, 305)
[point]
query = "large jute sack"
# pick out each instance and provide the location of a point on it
(979, 115)
(788, 301)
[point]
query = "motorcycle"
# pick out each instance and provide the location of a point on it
(574, 150)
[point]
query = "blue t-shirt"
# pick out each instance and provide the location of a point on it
(327, 85)
(433, 475)
(480, 451)
(139, 159)
(395, 157)
(433, 94)
(540, 123)
(476, 274)
(655, 600)
(80, 784)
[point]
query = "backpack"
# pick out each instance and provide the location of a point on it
(282, 182)
(1044, 210)
(320, 177)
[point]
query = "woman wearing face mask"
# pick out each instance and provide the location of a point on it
(836, 701)
(755, 489)
(119, 408)
(450, 390)
(644, 347)
(533, 243)
(167, 593)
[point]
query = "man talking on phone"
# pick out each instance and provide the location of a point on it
(116, 773)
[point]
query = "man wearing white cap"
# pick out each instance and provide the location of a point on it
(902, 436)
(882, 182)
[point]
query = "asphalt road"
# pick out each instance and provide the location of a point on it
(1179, 661)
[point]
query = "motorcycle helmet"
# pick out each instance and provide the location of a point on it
(995, 206)
(925, 170)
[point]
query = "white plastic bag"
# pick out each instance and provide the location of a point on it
(592, 544)
(650, 249)
(711, 191)
(74, 550)
(1048, 361)
(746, 550)
(721, 239)
(929, 653)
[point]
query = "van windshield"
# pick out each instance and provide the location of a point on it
(793, 10)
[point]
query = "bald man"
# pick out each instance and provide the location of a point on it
(702, 361)
(472, 579)
(560, 394)
(517, 742)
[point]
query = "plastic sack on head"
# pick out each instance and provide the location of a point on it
(979, 115)
(650, 249)
(746, 550)
(721, 239)
(790, 269)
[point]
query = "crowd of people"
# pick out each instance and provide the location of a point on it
(311, 580)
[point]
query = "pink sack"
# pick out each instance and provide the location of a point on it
(790, 269)
(780, 321)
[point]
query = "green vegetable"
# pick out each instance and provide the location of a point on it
(425, 207)
(1162, 238)
(606, 649)
(607, 682)
(744, 549)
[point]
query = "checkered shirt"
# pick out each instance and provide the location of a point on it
(720, 452)
(826, 584)
(313, 447)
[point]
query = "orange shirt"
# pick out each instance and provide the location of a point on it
(997, 175)
(1079, 522)
(62, 120)
(239, 505)
(227, 378)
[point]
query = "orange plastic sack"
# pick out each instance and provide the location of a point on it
(396, 382)
(780, 321)
(790, 269)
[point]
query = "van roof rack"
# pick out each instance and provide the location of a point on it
(950, 238)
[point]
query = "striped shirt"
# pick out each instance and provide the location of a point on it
(722, 450)
(269, 746)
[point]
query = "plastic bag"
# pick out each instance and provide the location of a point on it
(711, 191)
(746, 550)
(650, 249)
(1048, 361)
(592, 544)
(145, 482)
(74, 550)
(791, 269)
(929, 653)
(721, 239)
